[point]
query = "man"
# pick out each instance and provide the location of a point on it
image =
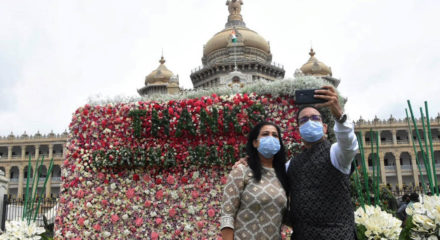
(401, 213)
(320, 201)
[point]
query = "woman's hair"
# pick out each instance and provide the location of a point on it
(279, 159)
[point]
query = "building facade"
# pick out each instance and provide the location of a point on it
(398, 161)
(14, 158)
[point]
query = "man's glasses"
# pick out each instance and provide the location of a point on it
(306, 118)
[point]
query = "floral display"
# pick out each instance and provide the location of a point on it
(424, 220)
(155, 170)
(21, 230)
(373, 223)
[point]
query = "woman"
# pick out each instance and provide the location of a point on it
(254, 196)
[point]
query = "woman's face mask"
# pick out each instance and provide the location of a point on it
(311, 131)
(269, 146)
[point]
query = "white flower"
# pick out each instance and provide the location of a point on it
(378, 223)
(195, 175)
(22, 230)
(125, 216)
(426, 218)
(98, 214)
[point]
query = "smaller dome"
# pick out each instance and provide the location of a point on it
(159, 76)
(314, 67)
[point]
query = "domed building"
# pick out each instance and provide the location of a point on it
(314, 67)
(160, 81)
(235, 55)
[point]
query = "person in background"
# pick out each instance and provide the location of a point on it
(401, 213)
(255, 195)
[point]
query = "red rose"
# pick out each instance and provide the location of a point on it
(224, 180)
(158, 180)
(184, 180)
(159, 194)
(136, 177)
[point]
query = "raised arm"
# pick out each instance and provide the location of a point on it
(344, 150)
(231, 201)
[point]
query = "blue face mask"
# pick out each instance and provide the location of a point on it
(311, 131)
(269, 146)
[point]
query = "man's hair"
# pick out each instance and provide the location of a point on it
(405, 198)
(414, 197)
(304, 107)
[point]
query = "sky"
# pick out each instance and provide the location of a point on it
(55, 55)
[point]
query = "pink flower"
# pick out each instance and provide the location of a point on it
(81, 221)
(104, 202)
(130, 193)
(194, 194)
(159, 194)
(80, 193)
(172, 212)
(158, 221)
(200, 224)
(114, 218)
(211, 212)
(154, 235)
(97, 227)
(147, 203)
(139, 221)
(170, 179)
(101, 175)
(99, 190)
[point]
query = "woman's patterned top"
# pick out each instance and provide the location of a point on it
(253, 210)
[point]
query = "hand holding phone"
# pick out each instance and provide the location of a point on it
(307, 96)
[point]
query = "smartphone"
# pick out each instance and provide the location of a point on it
(306, 97)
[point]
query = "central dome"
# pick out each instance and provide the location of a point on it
(249, 38)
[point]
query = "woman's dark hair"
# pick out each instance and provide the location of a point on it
(279, 159)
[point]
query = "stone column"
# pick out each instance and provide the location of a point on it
(3, 190)
(20, 181)
(382, 168)
(7, 176)
(398, 170)
(394, 133)
(49, 183)
(9, 153)
(366, 153)
(379, 138)
(37, 151)
(415, 169)
(50, 151)
(23, 152)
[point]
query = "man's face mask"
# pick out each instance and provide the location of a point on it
(311, 131)
(269, 146)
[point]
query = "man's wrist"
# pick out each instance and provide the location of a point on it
(341, 118)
